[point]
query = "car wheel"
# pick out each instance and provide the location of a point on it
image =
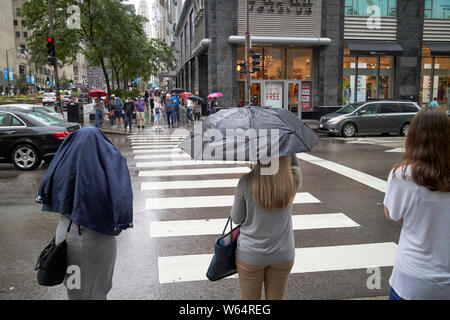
(348, 130)
(404, 129)
(25, 157)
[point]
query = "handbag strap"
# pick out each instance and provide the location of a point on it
(68, 229)
(231, 225)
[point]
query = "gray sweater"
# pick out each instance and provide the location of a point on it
(266, 236)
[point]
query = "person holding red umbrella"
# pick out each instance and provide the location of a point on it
(98, 106)
(99, 110)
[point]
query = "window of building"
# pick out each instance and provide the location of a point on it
(298, 64)
(387, 8)
(366, 78)
(435, 78)
(274, 63)
(15, 22)
(192, 27)
(439, 9)
(23, 22)
(25, 34)
(186, 41)
(182, 47)
(17, 34)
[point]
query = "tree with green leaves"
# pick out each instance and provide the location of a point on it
(110, 36)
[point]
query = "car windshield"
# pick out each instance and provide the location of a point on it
(44, 109)
(349, 109)
(49, 95)
(45, 117)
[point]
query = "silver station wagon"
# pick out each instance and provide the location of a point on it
(384, 116)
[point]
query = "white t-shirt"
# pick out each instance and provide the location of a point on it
(422, 263)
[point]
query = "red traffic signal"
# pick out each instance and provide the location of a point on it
(49, 39)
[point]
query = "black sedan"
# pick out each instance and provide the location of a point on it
(27, 138)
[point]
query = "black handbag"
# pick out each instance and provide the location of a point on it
(51, 265)
(223, 263)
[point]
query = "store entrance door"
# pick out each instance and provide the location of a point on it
(293, 98)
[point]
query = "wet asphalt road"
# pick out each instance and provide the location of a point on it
(25, 230)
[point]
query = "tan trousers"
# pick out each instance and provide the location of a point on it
(274, 277)
(140, 118)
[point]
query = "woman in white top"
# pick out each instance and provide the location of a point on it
(418, 197)
(157, 110)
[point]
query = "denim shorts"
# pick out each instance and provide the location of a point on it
(118, 113)
(393, 295)
(157, 117)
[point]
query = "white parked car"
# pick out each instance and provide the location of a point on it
(33, 107)
(49, 99)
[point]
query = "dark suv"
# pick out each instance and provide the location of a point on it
(384, 116)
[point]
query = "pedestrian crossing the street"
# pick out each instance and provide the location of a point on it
(157, 159)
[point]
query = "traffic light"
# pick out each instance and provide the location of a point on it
(71, 82)
(51, 52)
(47, 81)
(240, 67)
(256, 63)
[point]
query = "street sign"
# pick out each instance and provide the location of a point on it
(11, 75)
(5, 74)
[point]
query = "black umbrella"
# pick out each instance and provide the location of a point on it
(249, 134)
(201, 100)
(177, 90)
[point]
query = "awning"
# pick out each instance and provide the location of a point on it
(439, 48)
(373, 47)
(301, 41)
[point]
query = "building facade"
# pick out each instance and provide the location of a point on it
(316, 55)
(95, 78)
(15, 56)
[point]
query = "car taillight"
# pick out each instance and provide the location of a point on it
(53, 98)
(61, 135)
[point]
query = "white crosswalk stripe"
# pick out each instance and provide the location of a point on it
(163, 155)
(316, 259)
(155, 164)
(180, 228)
(210, 201)
(193, 172)
(159, 150)
(168, 146)
(191, 184)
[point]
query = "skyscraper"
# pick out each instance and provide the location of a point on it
(144, 11)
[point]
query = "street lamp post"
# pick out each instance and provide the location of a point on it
(247, 54)
(55, 66)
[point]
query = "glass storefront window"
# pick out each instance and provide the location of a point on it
(435, 79)
(298, 64)
(438, 9)
(374, 78)
(387, 8)
(274, 63)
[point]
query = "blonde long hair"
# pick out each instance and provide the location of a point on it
(275, 191)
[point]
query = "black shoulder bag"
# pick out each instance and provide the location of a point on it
(52, 263)
(223, 262)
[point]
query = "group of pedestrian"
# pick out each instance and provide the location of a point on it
(120, 114)
(418, 197)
